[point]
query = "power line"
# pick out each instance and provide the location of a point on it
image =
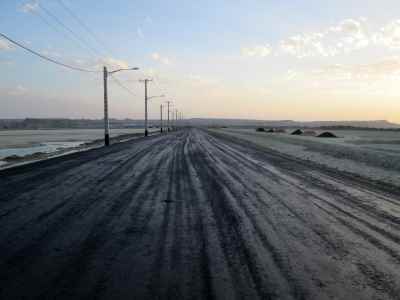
(45, 57)
(94, 36)
(74, 35)
(60, 23)
(121, 85)
(55, 28)
(82, 24)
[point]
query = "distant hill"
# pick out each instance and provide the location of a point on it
(36, 123)
(290, 123)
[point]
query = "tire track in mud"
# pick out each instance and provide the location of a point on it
(80, 174)
(25, 256)
(229, 207)
(77, 206)
(190, 215)
(340, 196)
(278, 258)
(390, 287)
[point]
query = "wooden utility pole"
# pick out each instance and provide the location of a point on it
(146, 132)
(176, 119)
(168, 123)
(106, 123)
(161, 120)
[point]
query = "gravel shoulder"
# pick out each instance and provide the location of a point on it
(194, 215)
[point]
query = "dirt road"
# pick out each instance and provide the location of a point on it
(194, 215)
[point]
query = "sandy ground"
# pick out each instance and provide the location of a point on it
(194, 215)
(371, 157)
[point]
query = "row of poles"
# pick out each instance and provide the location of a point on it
(107, 73)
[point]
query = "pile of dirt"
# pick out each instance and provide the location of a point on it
(260, 129)
(297, 132)
(327, 134)
(271, 130)
(280, 130)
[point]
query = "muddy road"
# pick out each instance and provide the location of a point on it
(194, 215)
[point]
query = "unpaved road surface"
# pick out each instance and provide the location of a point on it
(194, 215)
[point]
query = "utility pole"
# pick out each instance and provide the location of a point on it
(161, 120)
(106, 123)
(176, 119)
(168, 125)
(146, 132)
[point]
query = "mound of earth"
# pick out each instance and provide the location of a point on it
(260, 129)
(297, 132)
(327, 134)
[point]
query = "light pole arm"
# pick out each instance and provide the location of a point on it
(127, 69)
(160, 96)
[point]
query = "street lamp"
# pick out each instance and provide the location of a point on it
(146, 132)
(106, 122)
(168, 106)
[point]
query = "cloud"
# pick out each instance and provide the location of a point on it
(257, 51)
(113, 63)
(307, 45)
(157, 57)
(343, 38)
(51, 53)
(389, 35)
(139, 32)
(29, 7)
(385, 69)
(5, 45)
(291, 75)
(17, 91)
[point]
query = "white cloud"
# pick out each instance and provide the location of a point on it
(17, 91)
(388, 68)
(389, 35)
(291, 75)
(29, 7)
(345, 37)
(157, 57)
(51, 53)
(139, 32)
(257, 51)
(113, 63)
(5, 45)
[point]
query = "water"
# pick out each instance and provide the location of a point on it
(26, 142)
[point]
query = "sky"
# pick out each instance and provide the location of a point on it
(254, 59)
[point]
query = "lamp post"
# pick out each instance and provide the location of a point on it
(106, 122)
(168, 123)
(161, 120)
(146, 132)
